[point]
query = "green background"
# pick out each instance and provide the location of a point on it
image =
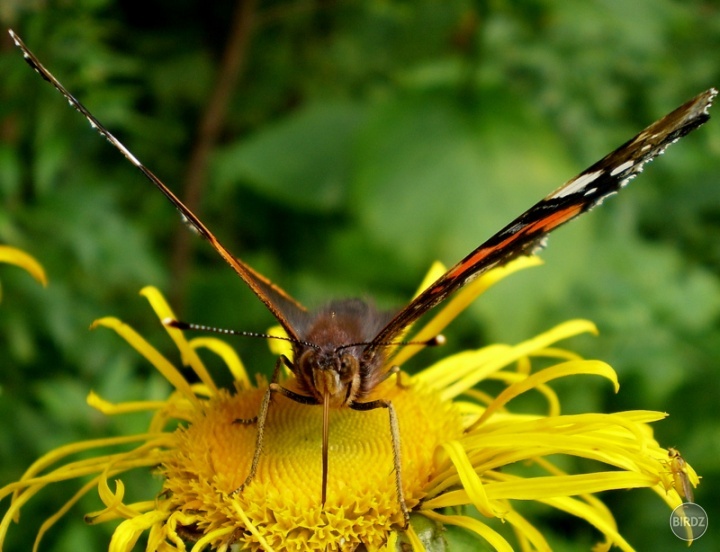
(360, 142)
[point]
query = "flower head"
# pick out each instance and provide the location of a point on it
(459, 446)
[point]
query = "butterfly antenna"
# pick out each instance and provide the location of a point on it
(432, 342)
(172, 323)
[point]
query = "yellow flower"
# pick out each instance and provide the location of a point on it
(460, 446)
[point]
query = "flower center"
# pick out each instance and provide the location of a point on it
(216, 450)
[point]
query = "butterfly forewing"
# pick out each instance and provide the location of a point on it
(527, 232)
(281, 304)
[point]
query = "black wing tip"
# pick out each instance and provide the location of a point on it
(18, 41)
(698, 109)
(708, 97)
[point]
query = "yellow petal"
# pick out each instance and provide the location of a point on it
(446, 373)
(281, 346)
(214, 536)
(470, 479)
(585, 511)
(187, 353)
(130, 530)
(52, 520)
(138, 343)
(476, 526)
(229, 356)
(474, 366)
(546, 487)
(460, 301)
(527, 531)
(109, 409)
(19, 258)
(415, 541)
(572, 367)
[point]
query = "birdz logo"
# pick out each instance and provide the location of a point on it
(689, 521)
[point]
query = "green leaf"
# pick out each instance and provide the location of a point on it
(303, 161)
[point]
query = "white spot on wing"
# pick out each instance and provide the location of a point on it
(126, 152)
(622, 167)
(603, 198)
(514, 229)
(576, 185)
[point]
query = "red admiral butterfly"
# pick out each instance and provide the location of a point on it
(341, 351)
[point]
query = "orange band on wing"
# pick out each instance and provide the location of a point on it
(542, 226)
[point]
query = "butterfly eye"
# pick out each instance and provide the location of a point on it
(347, 365)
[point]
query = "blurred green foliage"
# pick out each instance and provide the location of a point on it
(362, 141)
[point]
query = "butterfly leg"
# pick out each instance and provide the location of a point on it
(395, 371)
(273, 384)
(261, 418)
(395, 435)
(399, 377)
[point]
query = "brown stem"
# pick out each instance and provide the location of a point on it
(209, 129)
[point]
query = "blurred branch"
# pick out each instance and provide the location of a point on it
(209, 129)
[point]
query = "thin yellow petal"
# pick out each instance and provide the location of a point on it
(447, 372)
(391, 544)
(281, 346)
(187, 353)
(470, 479)
(52, 520)
(114, 500)
(546, 487)
(59, 453)
(110, 409)
(527, 531)
(464, 370)
(564, 330)
(19, 258)
(415, 541)
(138, 343)
(492, 537)
(130, 530)
(609, 438)
(572, 367)
(105, 515)
(13, 511)
(212, 536)
(250, 526)
(460, 301)
(553, 401)
(584, 511)
(229, 356)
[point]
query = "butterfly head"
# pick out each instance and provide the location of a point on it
(341, 362)
(331, 374)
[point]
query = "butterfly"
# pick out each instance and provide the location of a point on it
(340, 351)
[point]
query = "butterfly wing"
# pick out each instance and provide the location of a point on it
(285, 309)
(526, 234)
